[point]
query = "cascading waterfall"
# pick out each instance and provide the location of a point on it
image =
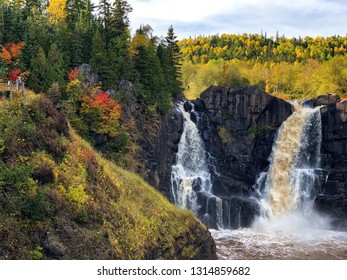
(191, 183)
(291, 182)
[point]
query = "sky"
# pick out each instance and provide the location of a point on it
(292, 18)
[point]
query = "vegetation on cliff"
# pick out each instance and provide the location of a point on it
(59, 199)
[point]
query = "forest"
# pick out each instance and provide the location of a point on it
(59, 197)
(45, 42)
(295, 68)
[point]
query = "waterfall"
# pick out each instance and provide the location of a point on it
(291, 183)
(191, 185)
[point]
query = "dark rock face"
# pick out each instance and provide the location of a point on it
(238, 126)
(165, 150)
(333, 199)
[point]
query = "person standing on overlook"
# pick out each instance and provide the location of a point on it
(20, 85)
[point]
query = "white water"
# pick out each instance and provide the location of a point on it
(288, 228)
(191, 168)
(289, 187)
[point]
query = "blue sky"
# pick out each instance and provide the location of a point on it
(200, 17)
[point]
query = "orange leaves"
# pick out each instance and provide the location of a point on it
(11, 52)
(73, 74)
(103, 112)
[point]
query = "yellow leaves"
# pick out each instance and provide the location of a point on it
(56, 11)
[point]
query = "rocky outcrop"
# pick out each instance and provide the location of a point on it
(165, 150)
(238, 126)
(333, 197)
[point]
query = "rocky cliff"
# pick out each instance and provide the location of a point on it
(333, 197)
(238, 126)
(60, 199)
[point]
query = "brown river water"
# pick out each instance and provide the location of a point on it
(250, 244)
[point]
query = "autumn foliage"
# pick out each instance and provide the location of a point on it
(11, 52)
(13, 75)
(73, 74)
(102, 113)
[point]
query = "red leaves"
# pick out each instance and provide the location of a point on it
(13, 75)
(104, 113)
(73, 74)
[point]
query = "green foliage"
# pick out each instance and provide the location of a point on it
(39, 68)
(37, 207)
(56, 73)
(224, 134)
(112, 212)
(117, 145)
(255, 129)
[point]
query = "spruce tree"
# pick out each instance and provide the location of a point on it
(175, 59)
(99, 57)
(38, 80)
(55, 71)
(104, 11)
(2, 23)
(120, 19)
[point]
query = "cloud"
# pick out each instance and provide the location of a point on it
(202, 17)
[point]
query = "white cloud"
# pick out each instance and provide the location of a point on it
(195, 17)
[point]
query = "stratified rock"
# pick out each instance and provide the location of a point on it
(333, 199)
(249, 118)
(237, 126)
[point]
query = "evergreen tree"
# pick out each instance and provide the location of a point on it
(2, 23)
(38, 80)
(104, 11)
(99, 57)
(152, 90)
(55, 69)
(120, 19)
(175, 60)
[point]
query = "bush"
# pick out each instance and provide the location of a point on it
(37, 207)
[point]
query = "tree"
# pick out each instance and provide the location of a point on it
(175, 59)
(120, 19)
(99, 60)
(153, 91)
(2, 23)
(56, 10)
(38, 80)
(104, 11)
(55, 70)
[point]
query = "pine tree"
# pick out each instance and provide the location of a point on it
(2, 23)
(99, 58)
(152, 91)
(120, 19)
(55, 71)
(104, 11)
(38, 80)
(175, 60)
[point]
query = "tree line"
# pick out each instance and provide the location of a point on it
(293, 68)
(53, 37)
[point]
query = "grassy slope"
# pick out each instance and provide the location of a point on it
(70, 203)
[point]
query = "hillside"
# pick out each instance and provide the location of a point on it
(290, 68)
(59, 199)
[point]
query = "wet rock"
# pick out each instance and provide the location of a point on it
(326, 99)
(332, 200)
(187, 106)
